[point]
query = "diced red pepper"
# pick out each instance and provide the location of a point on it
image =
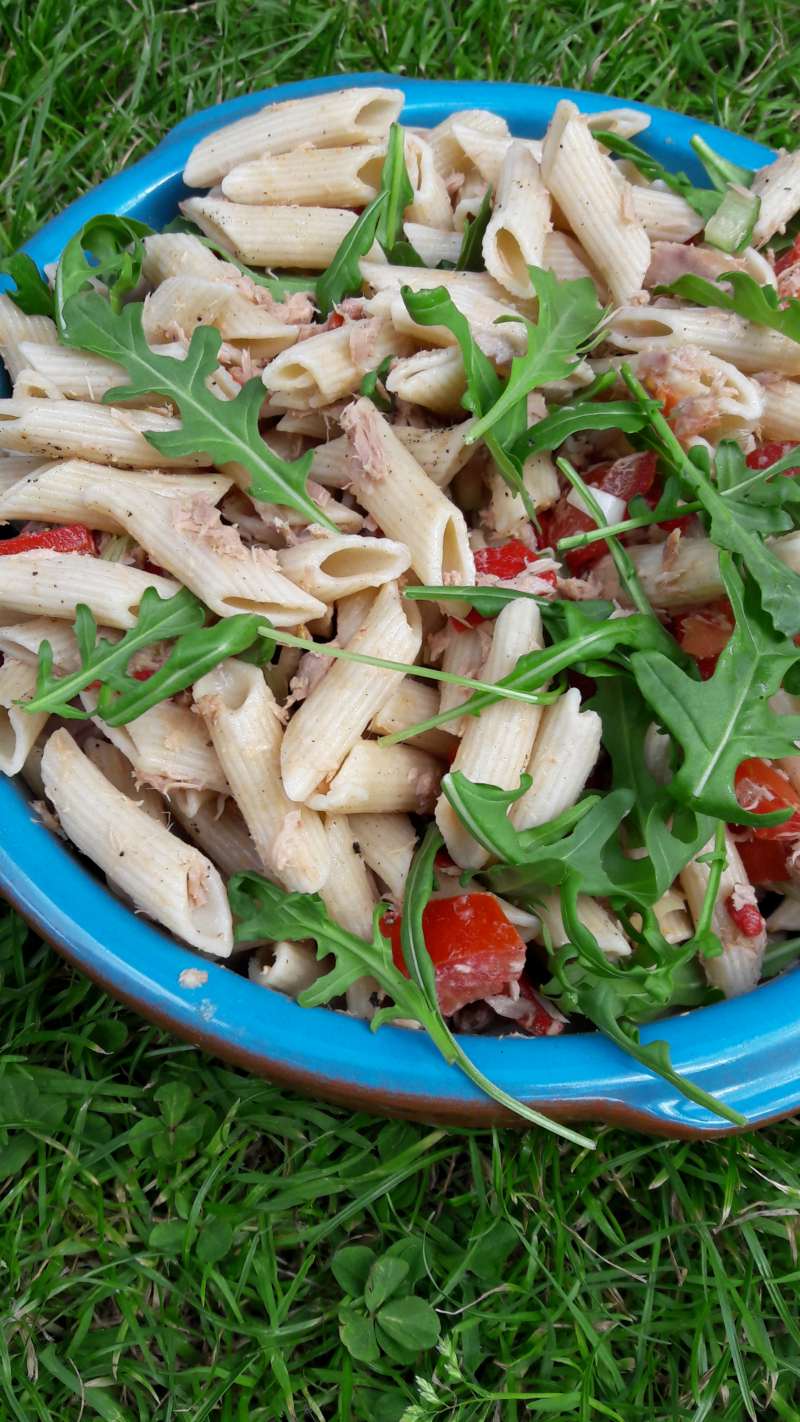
(761, 788)
(564, 522)
(633, 474)
(789, 258)
(764, 861)
(506, 560)
(746, 917)
(474, 949)
(145, 674)
(705, 632)
(770, 454)
(74, 538)
(538, 1021)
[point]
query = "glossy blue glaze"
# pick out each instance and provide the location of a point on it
(746, 1052)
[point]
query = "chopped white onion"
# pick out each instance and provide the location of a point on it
(613, 507)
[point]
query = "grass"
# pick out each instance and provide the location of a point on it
(166, 1224)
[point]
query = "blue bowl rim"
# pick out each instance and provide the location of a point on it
(746, 1059)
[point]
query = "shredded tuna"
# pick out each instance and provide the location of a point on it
(197, 884)
(48, 817)
(670, 550)
(453, 182)
(202, 518)
(367, 460)
(352, 308)
(742, 895)
(284, 843)
(192, 977)
(310, 671)
(211, 708)
(670, 261)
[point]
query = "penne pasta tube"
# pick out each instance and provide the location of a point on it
(329, 466)
(500, 342)
(168, 746)
(413, 701)
(787, 549)
(386, 843)
(541, 481)
(272, 236)
(340, 707)
(171, 254)
(610, 937)
(690, 577)
(186, 536)
(665, 216)
(18, 728)
(48, 584)
(465, 652)
(286, 967)
(330, 568)
(441, 453)
(433, 244)
(72, 429)
(431, 203)
(723, 334)
(380, 275)
(16, 328)
(116, 768)
(14, 467)
(567, 260)
(709, 394)
(349, 897)
(187, 301)
(780, 416)
(471, 196)
(58, 493)
(496, 746)
(224, 836)
(349, 116)
(352, 613)
(488, 151)
(72, 373)
(168, 880)
(448, 154)
(626, 123)
(516, 235)
(778, 186)
(404, 502)
(376, 780)
(243, 719)
(309, 177)
(331, 365)
(563, 757)
(598, 206)
(738, 968)
(21, 642)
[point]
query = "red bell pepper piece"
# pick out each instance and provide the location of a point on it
(762, 789)
(746, 917)
(770, 454)
(474, 949)
(74, 538)
(764, 861)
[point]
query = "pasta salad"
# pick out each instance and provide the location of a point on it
(401, 589)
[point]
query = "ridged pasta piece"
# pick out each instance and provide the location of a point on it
(433, 244)
(500, 342)
(19, 728)
(116, 768)
(386, 843)
(351, 614)
(431, 203)
(690, 577)
(349, 116)
(599, 208)
(778, 186)
(286, 967)
(48, 584)
(310, 177)
(723, 334)
(379, 275)
(404, 502)
(448, 153)
(168, 746)
(58, 493)
(349, 897)
(780, 417)
(496, 746)
(413, 701)
(327, 367)
(330, 568)
(222, 835)
(74, 374)
(187, 301)
(168, 880)
(73, 429)
(489, 151)
(21, 642)
(665, 217)
(15, 328)
(341, 706)
(563, 757)
(171, 254)
(610, 937)
(186, 537)
(272, 236)
(738, 968)
(516, 235)
(541, 481)
(243, 719)
(381, 780)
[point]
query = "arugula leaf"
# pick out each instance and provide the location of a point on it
(572, 419)
(607, 993)
(488, 602)
(760, 304)
(116, 244)
(623, 562)
(720, 170)
(369, 385)
(382, 218)
(225, 430)
(731, 525)
(159, 619)
(704, 201)
(568, 318)
(269, 912)
(470, 258)
(725, 720)
(280, 286)
(194, 654)
(32, 294)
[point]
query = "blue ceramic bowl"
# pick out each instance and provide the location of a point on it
(747, 1052)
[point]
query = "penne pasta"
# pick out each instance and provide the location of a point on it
(329, 366)
(116, 768)
(738, 968)
(563, 757)
(47, 584)
(286, 967)
(685, 576)
(309, 177)
(168, 880)
(386, 843)
(330, 568)
(58, 493)
(272, 236)
(19, 729)
(448, 153)
(780, 415)
(351, 116)
(16, 328)
(515, 238)
(610, 936)
(778, 187)
(413, 701)
(168, 746)
(350, 898)
(75, 430)
(181, 303)
(221, 833)
(381, 780)
(723, 334)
